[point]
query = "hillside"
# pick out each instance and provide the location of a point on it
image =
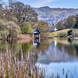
(53, 15)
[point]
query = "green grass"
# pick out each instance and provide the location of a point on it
(61, 33)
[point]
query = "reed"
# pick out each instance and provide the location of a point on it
(12, 67)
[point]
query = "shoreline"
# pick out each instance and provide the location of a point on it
(25, 38)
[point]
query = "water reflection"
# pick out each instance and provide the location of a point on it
(58, 59)
(54, 58)
(36, 42)
(63, 70)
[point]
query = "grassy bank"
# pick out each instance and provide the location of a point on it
(61, 33)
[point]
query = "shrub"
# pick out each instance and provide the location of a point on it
(26, 28)
(13, 29)
(9, 28)
(3, 29)
(15, 19)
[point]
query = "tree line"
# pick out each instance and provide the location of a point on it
(19, 17)
(70, 22)
(23, 16)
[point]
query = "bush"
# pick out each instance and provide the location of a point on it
(13, 29)
(3, 29)
(26, 28)
(15, 19)
(9, 28)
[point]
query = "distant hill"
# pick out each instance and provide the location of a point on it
(53, 15)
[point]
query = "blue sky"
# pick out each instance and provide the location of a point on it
(51, 3)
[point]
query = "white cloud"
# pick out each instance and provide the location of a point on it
(41, 3)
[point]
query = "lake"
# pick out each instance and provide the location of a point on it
(55, 58)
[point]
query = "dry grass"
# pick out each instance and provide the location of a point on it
(12, 67)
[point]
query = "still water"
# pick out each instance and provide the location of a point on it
(56, 58)
(60, 60)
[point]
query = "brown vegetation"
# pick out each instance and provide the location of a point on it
(11, 67)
